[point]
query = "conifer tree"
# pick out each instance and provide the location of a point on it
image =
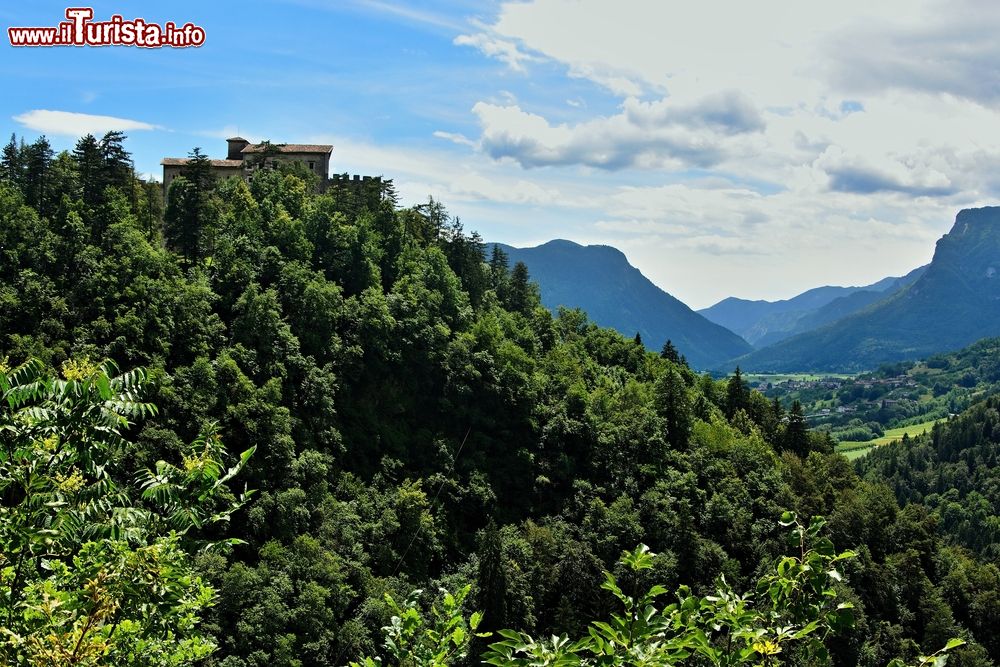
(499, 272)
(116, 163)
(36, 160)
(674, 407)
(737, 394)
(189, 209)
(520, 291)
(797, 431)
(10, 162)
(669, 352)
(87, 155)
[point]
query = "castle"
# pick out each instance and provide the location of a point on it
(244, 158)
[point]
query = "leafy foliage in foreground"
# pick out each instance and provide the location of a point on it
(792, 610)
(95, 570)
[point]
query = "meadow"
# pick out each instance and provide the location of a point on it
(855, 449)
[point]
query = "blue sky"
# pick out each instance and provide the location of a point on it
(728, 148)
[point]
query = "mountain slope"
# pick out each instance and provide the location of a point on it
(954, 303)
(841, 307)
(615, 294)
(762, 323)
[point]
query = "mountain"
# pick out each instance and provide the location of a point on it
(615, 294)
(955, 302)
(762, 323)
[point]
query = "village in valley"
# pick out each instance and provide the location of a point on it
(863, 407)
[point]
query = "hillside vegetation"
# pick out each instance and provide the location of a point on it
(418, 420)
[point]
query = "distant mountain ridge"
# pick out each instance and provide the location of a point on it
(762, 323)
(955, 302)
(600, 280)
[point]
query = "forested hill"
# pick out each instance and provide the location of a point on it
(954, 471)
(954, 303)
(600, 280)
(421, 421)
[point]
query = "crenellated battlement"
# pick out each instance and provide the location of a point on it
(348, 179)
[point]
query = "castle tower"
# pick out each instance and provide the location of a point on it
(236, 146)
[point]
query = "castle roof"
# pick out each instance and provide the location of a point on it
(235, 139)
(291, 148)
(181, 161)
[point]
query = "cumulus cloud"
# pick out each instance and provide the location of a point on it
(909, 175)
(864, 180)
(644, 135)
(761, 131)
(74, 124)
(728, 112)
(927, 78)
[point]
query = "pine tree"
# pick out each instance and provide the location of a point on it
(180, 224)
(797, 431)
(436, 217)
(10, 163)
(189, 207)
(116, 163)
(36, 160)
(87, 155)
(638, 339)
(264, 155)
(499, 272)
(519, 298)
(774, 423)
(737, 394)
(669, 352)
(674, 407)
(198, 171)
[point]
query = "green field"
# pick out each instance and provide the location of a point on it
(854, 449)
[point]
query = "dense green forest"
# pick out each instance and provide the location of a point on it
(954, 472)
(419, 421)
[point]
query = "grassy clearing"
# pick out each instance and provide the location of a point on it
(854, 449)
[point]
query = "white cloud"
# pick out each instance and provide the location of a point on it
(455, 138)
(657, 135)
(69, 123)
(918, 98)
(503, 50)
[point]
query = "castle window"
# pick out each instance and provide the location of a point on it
(312, 165)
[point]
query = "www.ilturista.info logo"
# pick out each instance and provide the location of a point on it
(81, 30)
